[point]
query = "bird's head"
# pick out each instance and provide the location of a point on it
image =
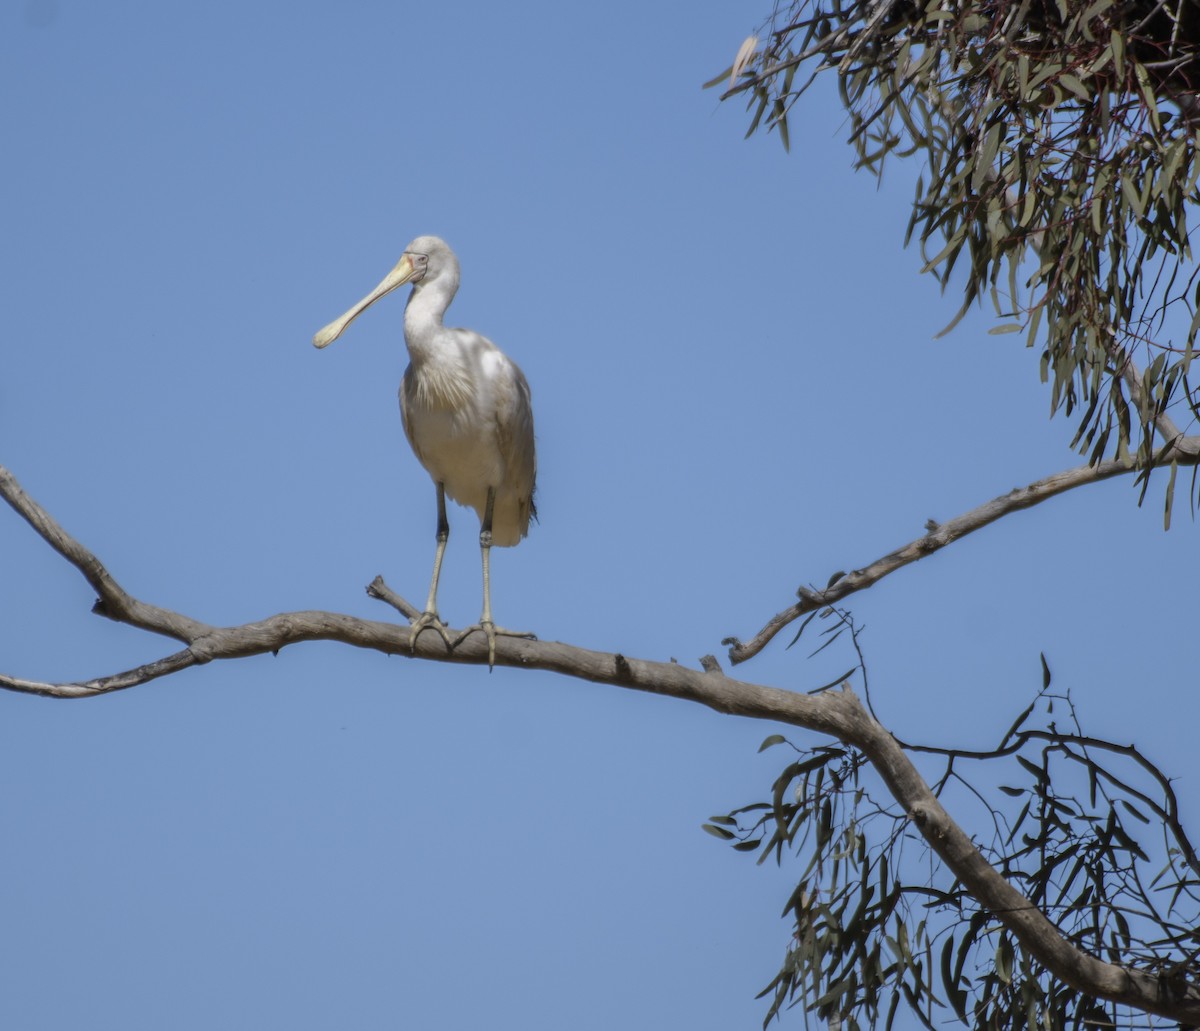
(427, 258)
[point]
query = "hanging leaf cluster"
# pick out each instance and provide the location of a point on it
(1059, 148)
(1089, 831)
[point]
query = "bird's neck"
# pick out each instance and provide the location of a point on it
(424, 314)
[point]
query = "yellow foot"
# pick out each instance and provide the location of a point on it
(492, 631)
(428, 621)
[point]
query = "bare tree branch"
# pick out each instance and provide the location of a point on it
(1184, 450)
(838, 714)
(103, 685)
(113, 601)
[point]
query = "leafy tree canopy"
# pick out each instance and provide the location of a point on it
(1059, 143)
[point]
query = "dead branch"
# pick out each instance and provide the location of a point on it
(113, 602)
(1184, 450)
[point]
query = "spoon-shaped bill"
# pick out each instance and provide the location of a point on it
(401, 274)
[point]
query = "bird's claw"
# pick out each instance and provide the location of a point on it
(492, 631)
(425, 621)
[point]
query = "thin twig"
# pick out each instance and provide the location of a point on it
(378, 589)
(104, 685)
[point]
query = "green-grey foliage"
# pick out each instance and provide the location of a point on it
(1059, 148)
(1088, 830)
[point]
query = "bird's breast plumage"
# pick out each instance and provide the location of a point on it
(468, 417)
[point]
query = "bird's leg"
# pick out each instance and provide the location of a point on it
(485, 621)
(430, 618)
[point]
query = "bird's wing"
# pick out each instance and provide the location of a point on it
(407, 386)
(514, 431)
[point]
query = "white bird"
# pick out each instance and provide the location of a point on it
(467, 414)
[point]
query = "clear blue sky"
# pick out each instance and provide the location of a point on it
(736, 391)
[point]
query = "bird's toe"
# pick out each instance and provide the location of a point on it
(492, 631)
(428, 620)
